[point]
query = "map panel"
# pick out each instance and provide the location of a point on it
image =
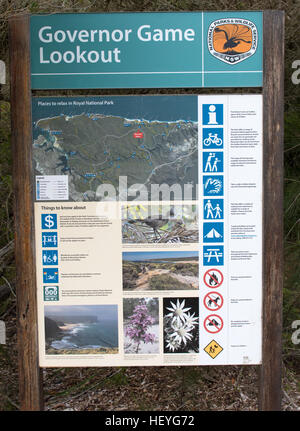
(96, 146)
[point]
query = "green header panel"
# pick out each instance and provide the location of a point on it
(146, 50)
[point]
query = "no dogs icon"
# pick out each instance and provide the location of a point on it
(213, 301)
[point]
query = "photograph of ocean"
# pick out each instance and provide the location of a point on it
(87, 329)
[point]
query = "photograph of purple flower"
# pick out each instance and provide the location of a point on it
(181, 325)
(141, 325)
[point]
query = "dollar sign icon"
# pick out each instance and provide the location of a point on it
(49, 223)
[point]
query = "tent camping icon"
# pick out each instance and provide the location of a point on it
(213, 232)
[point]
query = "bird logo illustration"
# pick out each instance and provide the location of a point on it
(232, 40)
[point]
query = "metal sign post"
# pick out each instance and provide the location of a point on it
(30, 382)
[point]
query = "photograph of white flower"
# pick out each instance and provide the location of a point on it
(181, 325)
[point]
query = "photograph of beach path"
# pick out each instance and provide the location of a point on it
(87, 329)
(160, 270)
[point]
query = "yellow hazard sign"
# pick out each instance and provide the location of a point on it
(213, 349)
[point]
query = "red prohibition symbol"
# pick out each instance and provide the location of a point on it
(213, 323)
(213, 278)
(213, 301)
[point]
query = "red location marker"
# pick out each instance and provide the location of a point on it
(138, 135)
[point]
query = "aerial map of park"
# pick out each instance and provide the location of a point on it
(95, 147)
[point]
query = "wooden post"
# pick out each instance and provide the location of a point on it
(30, 392)
(273, 108)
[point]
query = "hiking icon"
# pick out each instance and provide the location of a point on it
(213, 209)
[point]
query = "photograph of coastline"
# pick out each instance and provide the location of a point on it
(159, 224)
(160, 270)
(86, 329)
(141, 325)
(181, 325)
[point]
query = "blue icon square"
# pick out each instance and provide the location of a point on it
(49, 221)
(212, 138)
(212, 161)
(213, 232)
(213, 209)
(49, 239)
(213, 255)
(213, 185)
(212, 114)
(50, 257)
(50, 275)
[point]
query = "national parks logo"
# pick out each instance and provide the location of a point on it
(232, 40)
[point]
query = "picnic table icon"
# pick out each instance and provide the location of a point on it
(213, 253)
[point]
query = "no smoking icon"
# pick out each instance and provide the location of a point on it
(213, 278)
(213, 301)
(213, 323)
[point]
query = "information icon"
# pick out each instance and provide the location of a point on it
(212, 114)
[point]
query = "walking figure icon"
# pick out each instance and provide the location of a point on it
(213, 209)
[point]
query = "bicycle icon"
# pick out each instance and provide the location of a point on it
(213, 137)
(213, 140)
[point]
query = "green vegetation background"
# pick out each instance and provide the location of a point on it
(291, 292)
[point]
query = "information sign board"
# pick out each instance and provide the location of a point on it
(145, 205)
(205, 49)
